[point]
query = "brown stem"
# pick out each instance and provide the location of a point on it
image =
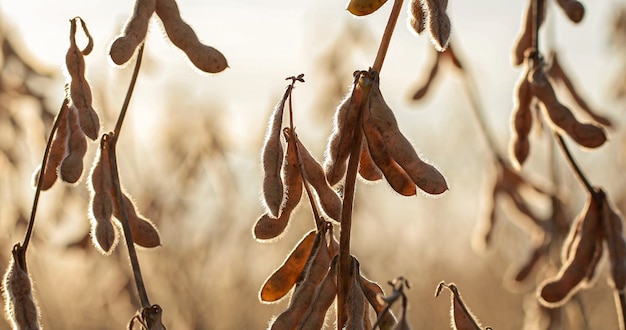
(469, 86)
(111, 139)
(343, 272)
(384, 43)
(572, 162)
(129, 93)
(343, 275)
(44, 162)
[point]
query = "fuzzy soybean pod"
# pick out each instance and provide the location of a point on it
(416, 20)
(103, 234)
(20, 305)
(557, 73)
(57, 150)
(462, 317)
(397, 178)
(521, 120)
(424, 175)
(372, 291)
(79, 90)
(134, 33)
(272, 159)
(616, 243)
(587, 135)
(438, 23)
(268, 227)
(524, 39)
(144, 232)
(71, 167)
(367, 168)
(314, 175)
(283, 279)
(340, 140)
(574, 10)
(556, 291)
(364, 7)
(205, 58)
(304, 293)
(324, 297)
(355, 302)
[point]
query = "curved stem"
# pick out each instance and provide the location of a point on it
(44, 162)
(119, 203)
(129, 93)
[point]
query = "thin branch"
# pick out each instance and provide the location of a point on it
(129, 93)
(111, 140)
(343, 276)
(44, 162)
(572, 162)
(469, 85)
(386, 39)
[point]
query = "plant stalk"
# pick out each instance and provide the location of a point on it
(119, 203)
(572, 162)
(44, 162)
(129, 93)
(343, 274)
(112, 139)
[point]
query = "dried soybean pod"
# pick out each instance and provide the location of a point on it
(616, 243)
(524, 40)
(272, 159)
(355, 302)
(587, 135)
(71, 167)
(205, 58)
(324, 297)
(556, 291)
(595, 260)
(57, 150)
(304, 293)
(103, 234)
(372, 291)
(134, 33)
(314, 174)
(397, 178)
(416, 21)
(367, 168)
(364, 7)
(424, 175)
(574, 10)
(462, 318)
(143, 231)
(79, 90)
(20, 305)
(283, 279)
(556, 72)
(438, 23)
(268, 227)
(425, 87)
(340, 141)
(521, 120)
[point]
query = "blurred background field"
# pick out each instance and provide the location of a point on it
(189, 156)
